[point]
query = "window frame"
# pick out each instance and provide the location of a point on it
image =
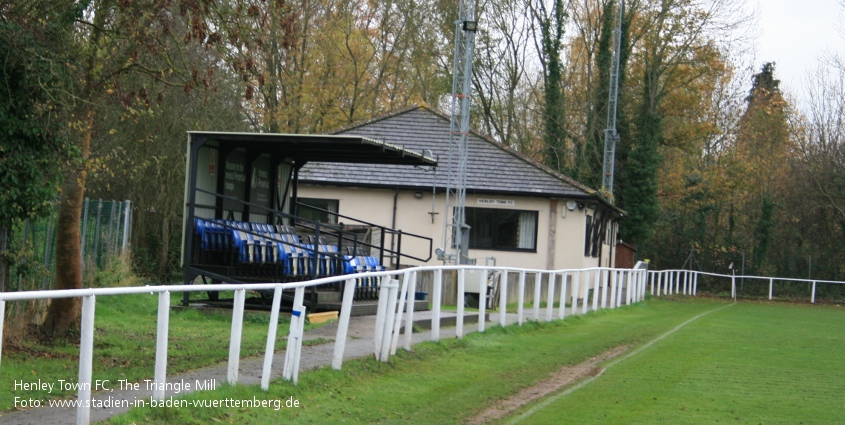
(305, 201)
(494, 231)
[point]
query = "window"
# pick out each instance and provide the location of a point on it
(588, 236)
(598, 231)
(504, 230)
(311, 209)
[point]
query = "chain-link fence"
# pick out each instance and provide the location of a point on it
(104, 237)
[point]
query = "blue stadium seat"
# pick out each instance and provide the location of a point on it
(276, 251)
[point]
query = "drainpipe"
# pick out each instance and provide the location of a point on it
(393, 223)
(612, 261)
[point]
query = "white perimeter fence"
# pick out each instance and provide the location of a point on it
(599, 287)
(685, 282)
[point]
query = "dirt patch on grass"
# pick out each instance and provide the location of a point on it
(564, 377)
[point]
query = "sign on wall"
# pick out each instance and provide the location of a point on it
(497, 202)
(259, 192)
(234, 179)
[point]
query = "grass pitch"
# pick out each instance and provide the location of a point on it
(752, 363)
(438, 383)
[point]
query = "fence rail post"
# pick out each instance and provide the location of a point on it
(641, 289)
(813, 296)
(270, 347)
(586, 299)
(635, 286)
(161, 344)
(596, 279)
(620, 276)
(640, 286)
(520, 299)
(86, 357)
(435, 305)
(2, 324)
(635, 296)
(635, 293)
(343, 324)
(733, 286)
(613, 288)
(643, 285)
(503, 297)
(297, 315)
(538, 288)
(400, 310)
(409, 320)
(576, 286)
(381, 318)
(459, 320)
(387, 338)
(635, 290)
(550, 298)
(235, 342)
(482, 300)
(604, 275)
(563, 280)
(296, 337)
(771, 285)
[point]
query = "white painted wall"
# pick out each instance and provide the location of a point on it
(413, 215)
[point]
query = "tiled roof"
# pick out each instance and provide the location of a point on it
(492, 167)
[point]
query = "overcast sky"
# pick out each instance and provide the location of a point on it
(794, 34)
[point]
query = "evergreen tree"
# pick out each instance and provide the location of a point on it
(639, 190)
(33, 142)
(762, 151)
(554, 137)
(590, 160)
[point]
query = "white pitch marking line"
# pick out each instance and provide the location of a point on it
(572, 389)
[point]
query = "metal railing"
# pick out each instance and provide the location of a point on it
(685, 282)
(602, 288)
(396, 246)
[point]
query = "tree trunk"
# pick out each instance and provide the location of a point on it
(64, 312)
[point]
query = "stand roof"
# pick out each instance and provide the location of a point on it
(317, 147)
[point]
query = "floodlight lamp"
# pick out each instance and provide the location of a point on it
(471, 26)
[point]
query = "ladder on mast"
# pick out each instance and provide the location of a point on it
(456, 231)
(610, 134)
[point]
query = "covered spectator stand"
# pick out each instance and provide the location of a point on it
(241, 223)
